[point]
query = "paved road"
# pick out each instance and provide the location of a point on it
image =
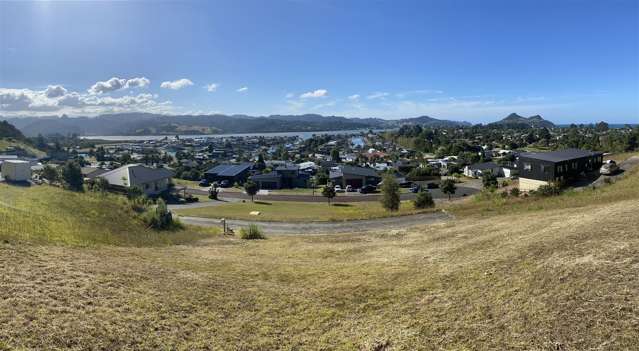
(597, 180)
(462, 191)
(389, 223)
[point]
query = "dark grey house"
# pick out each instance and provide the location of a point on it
(540, 168)
(356, 177)
(233, 173)
(284, 176)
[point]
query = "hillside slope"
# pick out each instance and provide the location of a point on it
(556, 275)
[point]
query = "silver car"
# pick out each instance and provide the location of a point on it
(609, 168)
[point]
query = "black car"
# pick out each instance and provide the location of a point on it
(432, 186)
(367, 189)
(225, 184)
(415, 188)
(204, 182)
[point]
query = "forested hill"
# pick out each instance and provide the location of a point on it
(7, 130)
(149, 124)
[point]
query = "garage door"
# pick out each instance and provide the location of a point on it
(355, 183)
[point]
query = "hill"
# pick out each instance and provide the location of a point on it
(149, 124)
(515, 120)
(50, 215)
(7, 130)
(551, 274)
(13, 141)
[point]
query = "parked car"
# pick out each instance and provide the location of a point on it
(225, 184)
(349, 189)
(415, 188)
(609, 168)
(367, 189)
(204, 182)
(432, 185)
(338, 189)
(406, 184)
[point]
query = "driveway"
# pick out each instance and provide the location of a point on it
(389, 223)
(599, 180)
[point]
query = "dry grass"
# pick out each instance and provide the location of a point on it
(561, 278)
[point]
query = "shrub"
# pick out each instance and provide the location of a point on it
(328, 191)
(99, 185)
(489, 180)
(551, 189)
(514, 192)
(424, 200)
(72, 176)
(448, 187)
(161, 218)
(213, 193)
(49, 173)
(390, 193)
(252, 232)
(251, 189)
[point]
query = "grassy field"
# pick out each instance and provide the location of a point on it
(46, 214)
(556, 274)
(6, 143)
(299, 211)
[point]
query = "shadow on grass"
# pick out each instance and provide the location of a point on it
(342, 205)
(262, 203)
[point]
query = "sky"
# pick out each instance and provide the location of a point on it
(478, 61)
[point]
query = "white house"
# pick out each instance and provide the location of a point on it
(477, 170)
(152, 181)
(16, 170)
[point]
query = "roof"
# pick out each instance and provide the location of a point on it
(288, 167)
(560, 155)
(229, 170)
(485, 165)
(135, 174)
(359, 171)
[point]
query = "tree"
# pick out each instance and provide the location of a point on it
(448, 187)
(423, 200)
(49, 173)
(335, 155)
(72, 176)
(390, 193)
(251, 189)
(328, 191)
(260, 164)
(99, 185)
(489, 180)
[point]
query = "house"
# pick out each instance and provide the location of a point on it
(356, 177)
(233, 173)
(541, 168)
(478, 169)
(16, 170)
(284, 176)
(92, 172)
(152, 181)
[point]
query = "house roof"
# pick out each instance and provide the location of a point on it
(266, 177)
(485, 165)
(358, 171)
(135, 174)
(560, 155)
(287, 167)
(229, 170)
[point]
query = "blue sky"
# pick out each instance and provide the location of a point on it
(570, 61)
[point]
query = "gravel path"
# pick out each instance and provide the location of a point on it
(388, 223)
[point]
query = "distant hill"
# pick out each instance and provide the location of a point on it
(7, 130)
(150, 124)
(514, 119)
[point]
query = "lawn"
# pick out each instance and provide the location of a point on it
(48, 214)
(6, 143)
(289, 211)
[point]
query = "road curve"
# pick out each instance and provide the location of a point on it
(353, 226)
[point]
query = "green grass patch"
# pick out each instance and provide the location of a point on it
(47, 214)
(288, 211)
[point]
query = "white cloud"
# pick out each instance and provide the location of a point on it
(314, 94)
(211, 87)
(377, 95)
(116, 83)
(242, 90)
(54, 91)
(354, 97)
(176, 84)
(18, 102)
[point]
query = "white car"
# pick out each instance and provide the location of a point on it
(338, 189)
(609, 168)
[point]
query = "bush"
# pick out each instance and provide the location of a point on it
(390, 193)
(423, 200)
(99, 185)
(489, 180)
(253, 232)
(72, 176)
(514, 192)
(161, 218)
(551, 189)
(49, 173)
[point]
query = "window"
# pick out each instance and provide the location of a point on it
(527, 166)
